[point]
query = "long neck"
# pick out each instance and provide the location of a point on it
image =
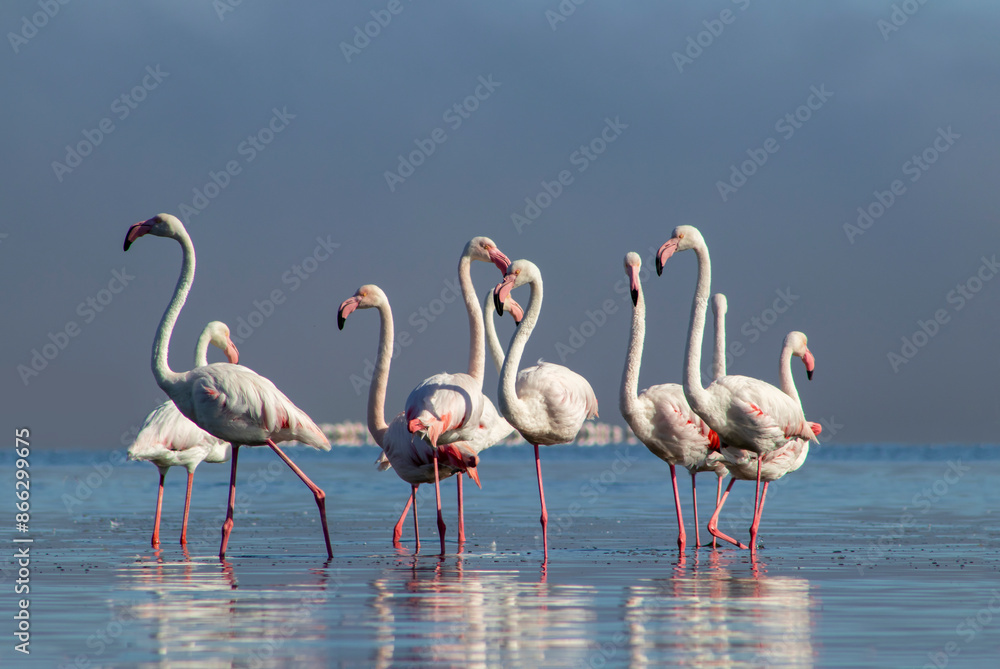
(696, 330)
(477, 344)
(785, 374)
(719, 362)
(492, 341)
(629, 392)
(380, 380)
(510, 406)
(165, 377)
(201, 348)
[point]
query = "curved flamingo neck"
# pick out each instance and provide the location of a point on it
(629, 393)
(201, 348)
(696, 394)
(477, 343)
(785, 374)
(492, 341)
(165, 377)
(510, 405)
(719, 362)
(380, 379)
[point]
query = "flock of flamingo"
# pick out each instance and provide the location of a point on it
(737, 425)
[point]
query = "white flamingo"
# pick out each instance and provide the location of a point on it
(492, 427)
(228, 401)
(660, 416)
(445, 408)
(742, 465)
(546, 403)
(168, 439)
(410, 457)
(746, 413)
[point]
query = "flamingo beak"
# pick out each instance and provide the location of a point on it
(633, 282)
(810, 362)
(232, 354)
(136, 231)
(346, 307)
(473, 473)
(515, 310)
(499, 259)
(501, 292)
(668, 249)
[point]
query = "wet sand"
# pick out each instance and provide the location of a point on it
(871, 556)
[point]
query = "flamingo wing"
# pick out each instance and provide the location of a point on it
(168, 438)
(452, 401)
(761, 409)
(241, 406)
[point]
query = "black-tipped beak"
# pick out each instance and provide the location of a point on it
(659, 266)
(134, 232)
(809, 374)
(497, 304)
(635, 297)
(340, 321)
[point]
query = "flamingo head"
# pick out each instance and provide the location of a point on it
(684, 237)
(459, 456)
(632, 265)
(518, 273)
(719, 305)
(485, 249)
(797, 341)
(161, 225)
(368, 296)
(221, 340)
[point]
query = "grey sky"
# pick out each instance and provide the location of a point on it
(335, 128)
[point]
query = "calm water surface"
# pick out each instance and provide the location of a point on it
(871, 556)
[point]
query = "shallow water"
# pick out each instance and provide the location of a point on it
(871, 556)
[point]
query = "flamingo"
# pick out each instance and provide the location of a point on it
(547, 403)
(168, 439)
(411, 457)
(660, 416)
(445, 408)
(230, 402)
(492, 426)
(746, 413)
(742, 465)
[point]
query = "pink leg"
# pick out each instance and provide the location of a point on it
(718, 499)
(681, 536)
(437, 494)
(756, 503)
(316, 491)
(545, 514)
(159, 506)
(697, 530)
(416, 525)
(187, 508)
(461, 515)
(227, 527)
(757, 514)
(397, 531)
(713, 524)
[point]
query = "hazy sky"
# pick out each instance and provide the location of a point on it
(275, 132)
